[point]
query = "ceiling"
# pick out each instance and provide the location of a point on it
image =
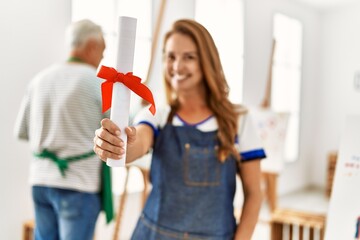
(327, 3)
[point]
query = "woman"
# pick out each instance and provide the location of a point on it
(200, 142)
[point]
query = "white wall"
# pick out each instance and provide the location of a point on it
(32, 34)
(32, 38)
(258, 39)
(336, 96)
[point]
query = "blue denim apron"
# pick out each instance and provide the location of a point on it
(193, 192)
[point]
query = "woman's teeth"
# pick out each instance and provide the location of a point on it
(179, 77)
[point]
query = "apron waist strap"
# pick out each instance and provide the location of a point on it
(62, 163)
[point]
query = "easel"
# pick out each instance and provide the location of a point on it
(269, 178)
(266, 102)
(154, 43)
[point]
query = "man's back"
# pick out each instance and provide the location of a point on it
(58, 116)
(61, 112)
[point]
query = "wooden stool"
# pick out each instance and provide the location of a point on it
(286, 218)
(28, 230)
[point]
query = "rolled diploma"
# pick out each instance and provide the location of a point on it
(120, 102)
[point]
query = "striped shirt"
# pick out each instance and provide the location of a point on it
(60, 112)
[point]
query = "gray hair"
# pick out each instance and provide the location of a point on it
(78, 33)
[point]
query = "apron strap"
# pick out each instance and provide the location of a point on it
(106, 193)
(62, 163)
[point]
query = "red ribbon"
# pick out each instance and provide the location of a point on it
(129, 80)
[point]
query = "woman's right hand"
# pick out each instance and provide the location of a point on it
(107, 142)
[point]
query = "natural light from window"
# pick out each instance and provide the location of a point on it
(286, 77)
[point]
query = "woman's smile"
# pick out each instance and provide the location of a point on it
(179, 78)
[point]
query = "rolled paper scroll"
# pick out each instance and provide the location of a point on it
(121, 94)
(120, 82)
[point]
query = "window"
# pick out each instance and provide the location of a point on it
(224, 20)
(286, 77)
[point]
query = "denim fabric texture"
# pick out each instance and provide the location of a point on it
(193, 192)
(62, 214)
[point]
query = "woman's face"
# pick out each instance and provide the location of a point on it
(182, 63)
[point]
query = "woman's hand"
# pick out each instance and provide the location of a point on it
(107, 142)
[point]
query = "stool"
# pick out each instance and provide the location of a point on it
(282, 219)
(28, 230)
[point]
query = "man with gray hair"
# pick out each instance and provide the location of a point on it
(58, 116)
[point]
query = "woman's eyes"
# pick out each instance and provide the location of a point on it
(189, 57)
(170, 57)
(186, 57)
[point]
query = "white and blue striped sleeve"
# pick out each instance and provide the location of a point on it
(156, 122)
(248, 141)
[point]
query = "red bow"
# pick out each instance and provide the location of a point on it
(129, 80)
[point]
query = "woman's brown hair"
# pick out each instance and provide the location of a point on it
(217, 89)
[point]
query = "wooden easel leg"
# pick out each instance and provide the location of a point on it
(145, 173)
